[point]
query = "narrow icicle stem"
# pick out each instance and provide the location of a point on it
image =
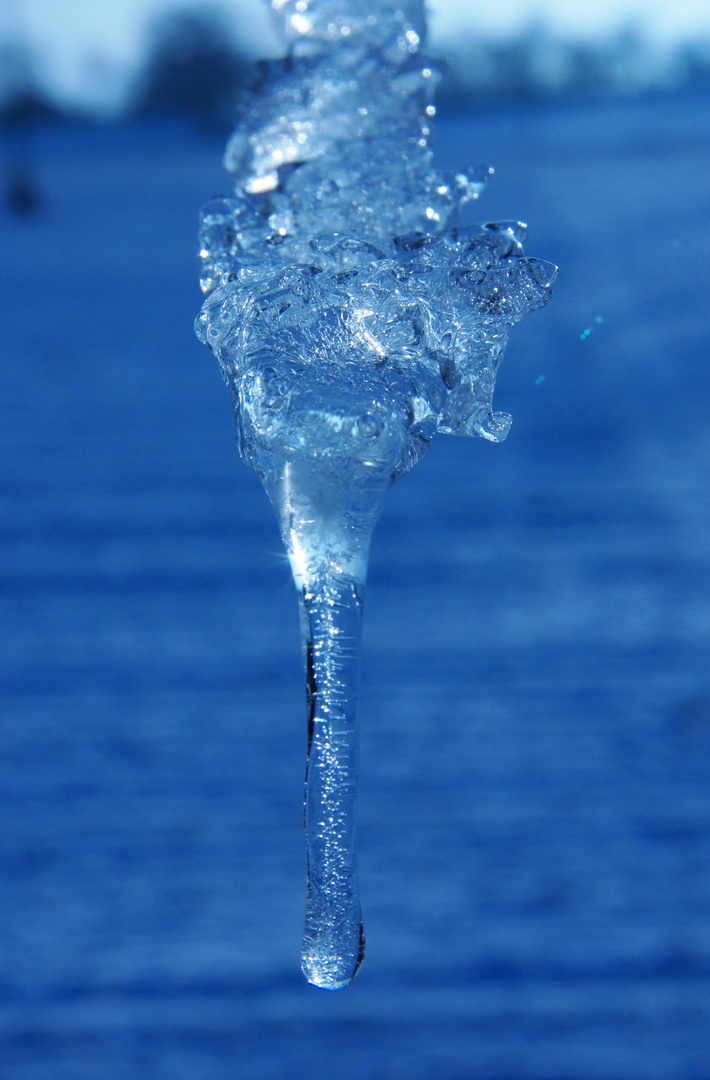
(331, 622)
(327, 509)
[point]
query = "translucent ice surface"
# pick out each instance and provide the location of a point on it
(352, 320)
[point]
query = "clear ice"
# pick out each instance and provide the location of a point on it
(352, 320)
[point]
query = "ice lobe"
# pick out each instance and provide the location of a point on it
(352, 320)
(340, 245)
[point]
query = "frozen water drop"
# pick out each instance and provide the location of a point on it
(368, 426)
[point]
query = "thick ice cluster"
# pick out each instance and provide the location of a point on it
(344, 302)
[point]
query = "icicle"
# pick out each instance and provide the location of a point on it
(352, 320)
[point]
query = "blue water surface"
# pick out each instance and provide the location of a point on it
(535, 775)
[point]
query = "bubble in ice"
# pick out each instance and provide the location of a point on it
(353, 319)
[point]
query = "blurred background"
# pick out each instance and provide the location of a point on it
(162, 55)
(535, 774)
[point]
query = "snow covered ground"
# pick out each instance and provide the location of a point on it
(535, 798)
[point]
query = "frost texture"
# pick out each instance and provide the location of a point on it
(352, 320)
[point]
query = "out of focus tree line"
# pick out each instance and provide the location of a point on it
(538, 64)
(193, 65)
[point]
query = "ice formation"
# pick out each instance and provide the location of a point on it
(352, 320)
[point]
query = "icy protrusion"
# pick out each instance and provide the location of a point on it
(352, 320)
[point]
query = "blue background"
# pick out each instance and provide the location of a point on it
(535, 806)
